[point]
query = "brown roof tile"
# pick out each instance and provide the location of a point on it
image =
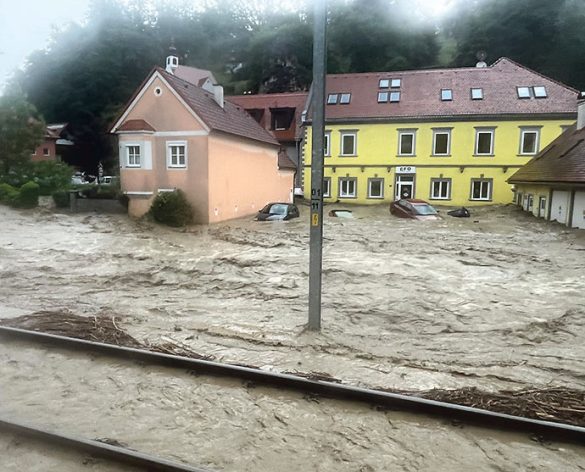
(562, 161)
(284, 162)
(194, 75)
(229, 119)
(421, 93)
(136, 125)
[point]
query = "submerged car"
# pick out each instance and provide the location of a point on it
(413, 208)
(278, 212)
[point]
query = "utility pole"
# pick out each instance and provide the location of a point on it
(318, 126)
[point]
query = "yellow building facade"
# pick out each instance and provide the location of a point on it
(449, 136)
(448, 163)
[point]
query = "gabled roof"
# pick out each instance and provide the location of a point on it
(420, 94)
(194, 76)
(562, 161)
(229, 119)
(136, 125)
(54, 130)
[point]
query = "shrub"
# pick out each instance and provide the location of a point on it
(172, 208)
(8, 194)
(51, 176)
(28, 196)
(61, 198)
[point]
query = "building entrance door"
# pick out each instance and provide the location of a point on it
(404, 186)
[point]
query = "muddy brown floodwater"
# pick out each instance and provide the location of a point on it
(494, 301)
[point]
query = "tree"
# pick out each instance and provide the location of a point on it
(21, 131)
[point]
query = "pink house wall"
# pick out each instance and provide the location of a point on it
(243, 177)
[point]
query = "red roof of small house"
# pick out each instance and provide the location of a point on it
(266, 102)
(136, 125)
(228, 119)
(562, 161)
(420, 94)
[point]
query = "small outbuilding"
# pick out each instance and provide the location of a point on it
(552, 184)
(177, 134)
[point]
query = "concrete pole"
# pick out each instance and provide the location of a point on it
(318, 126)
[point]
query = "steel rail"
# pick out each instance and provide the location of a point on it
(393, 401)
(98, 449)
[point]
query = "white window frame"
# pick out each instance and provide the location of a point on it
(523, 92)
(446, 95)
(436, 132)
(523, 133)
(541, 91)
(332, 99)
(383, 97)
(441, 181)
(394, 96)
(46, 152)
(343, 134)
(178, 165)
(377, 179)
(345, 98)
(127, 147)
(384, 83)
(492, 133)
(326, 187)
(395, 83)
(405, 132)
(342, 193)
(327, 144)
(477, 93)
(481, 182)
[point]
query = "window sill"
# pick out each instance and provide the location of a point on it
(479, 200)
(405, 155)
(347, 197)
(348, 155)
(176, 167)
(484, 155)
(440, 155)
(440, 199)
(133, 167)
(527, 155)
(375, 198)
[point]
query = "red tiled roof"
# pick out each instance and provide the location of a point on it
(194, 75)
(562, 161)
(229, 119)
(136, 125)
(420, 93)
(296, 100)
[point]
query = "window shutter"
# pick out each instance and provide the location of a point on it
(147, 152)
(122, 156)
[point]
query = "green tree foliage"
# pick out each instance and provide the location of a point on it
(21, 131)
(172, 209)
(28, 196)
(541, 34)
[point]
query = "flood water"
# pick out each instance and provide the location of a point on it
(494, 301)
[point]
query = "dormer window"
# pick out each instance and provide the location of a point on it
(384, 83)
(523, 92)
(446, 94)
(382, 97)
(394, 97)
(539, 92)
(477, 94)
(345, 98)
(332, 99)
(396, 83)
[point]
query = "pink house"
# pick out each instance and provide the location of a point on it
(175, 134)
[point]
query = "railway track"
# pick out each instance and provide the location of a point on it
(473, 416)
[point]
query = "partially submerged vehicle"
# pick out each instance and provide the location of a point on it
(414, 209)
(341, 213)
(460, 213)
(278, 212)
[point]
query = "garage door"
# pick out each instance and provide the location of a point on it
(579, 211)
(559, 206)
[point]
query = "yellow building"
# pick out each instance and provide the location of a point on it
(450, 136)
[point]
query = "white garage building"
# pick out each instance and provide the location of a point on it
(552, 185)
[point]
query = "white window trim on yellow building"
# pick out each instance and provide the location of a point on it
(481, 181)
(326, 187)
(440, 131)
(491, 132)
(381, 181)
(170, 155)
(442, 184)
(128, 155)
(342, 135)
(524, 130)
(327, 144)
(401, 134)
(344, 192)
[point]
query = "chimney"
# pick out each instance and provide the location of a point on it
(218, 94)
(581, 111)
(481, 56)
(172, 59)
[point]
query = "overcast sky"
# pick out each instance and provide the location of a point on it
(26, 25)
